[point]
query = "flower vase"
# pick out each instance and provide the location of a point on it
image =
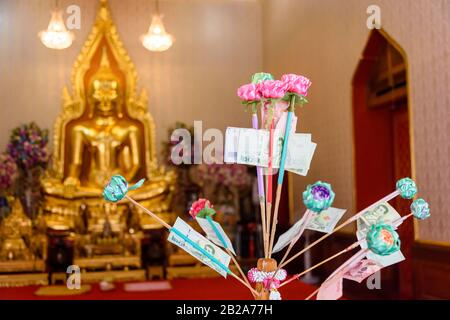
(29, 191)
(264, 265)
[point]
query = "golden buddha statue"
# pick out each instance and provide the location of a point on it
(110, 143)
(104, 129)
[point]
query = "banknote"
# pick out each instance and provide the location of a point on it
(231, 143)
(211, 233)
(383, 212)
(326, 220)
(331, 289)
(201, 241)
(362, 270)
(253, 149)
(288, 236)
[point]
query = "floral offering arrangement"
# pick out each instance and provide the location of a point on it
(277, 147)
(28, 146)
(8, 172)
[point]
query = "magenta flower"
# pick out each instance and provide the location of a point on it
(249, 92)
(272, 89)
(296, 84)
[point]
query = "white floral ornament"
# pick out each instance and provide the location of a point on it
(255, 275)
(274, 295)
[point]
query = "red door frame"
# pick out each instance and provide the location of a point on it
(374, 165)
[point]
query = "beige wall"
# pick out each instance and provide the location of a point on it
(323, 39)
(218, 45)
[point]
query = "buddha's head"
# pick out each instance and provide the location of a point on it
(104, 88)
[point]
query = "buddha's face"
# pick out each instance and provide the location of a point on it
(105, 93)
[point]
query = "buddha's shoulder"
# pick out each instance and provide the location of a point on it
(83, 126)
(127, 125)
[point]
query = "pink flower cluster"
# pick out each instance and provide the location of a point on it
(8, 171)
(274, 89)
(296, 84)
(198, 206)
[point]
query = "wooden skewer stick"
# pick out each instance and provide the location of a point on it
(347, 222)
(262, 206)
(396, 223)
(354, 245)
(253, 291)
(275, 217)
(312, 294)
(309, 215)
(269, 183)
(260, 180)
(281, 171)
(165, 224)
(236, 263)
(358, 256)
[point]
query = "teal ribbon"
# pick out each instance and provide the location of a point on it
(420, 209)
(218, 234)
(117, 188)
(285, 147)
(407, 188)
(261, 76)
(318, 196)
(203, 251)
(377, 243)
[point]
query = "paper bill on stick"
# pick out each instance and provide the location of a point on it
(383, 212)
(251, 147)
(201, 241)
(211, 233)
(326, 220)
(331, 289)
(231, 143)
(288, 236)
(363, 269)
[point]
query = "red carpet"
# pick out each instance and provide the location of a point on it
(183, 289)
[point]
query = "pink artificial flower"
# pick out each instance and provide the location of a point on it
(198, 206)
(249, 92)
(272, 89)
(270, 283)
(296, 84)
(252, 275)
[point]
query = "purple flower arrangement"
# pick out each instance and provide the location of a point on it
(28, 147)
(8, 172)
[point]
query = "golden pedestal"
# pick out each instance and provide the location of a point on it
(22, 249)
